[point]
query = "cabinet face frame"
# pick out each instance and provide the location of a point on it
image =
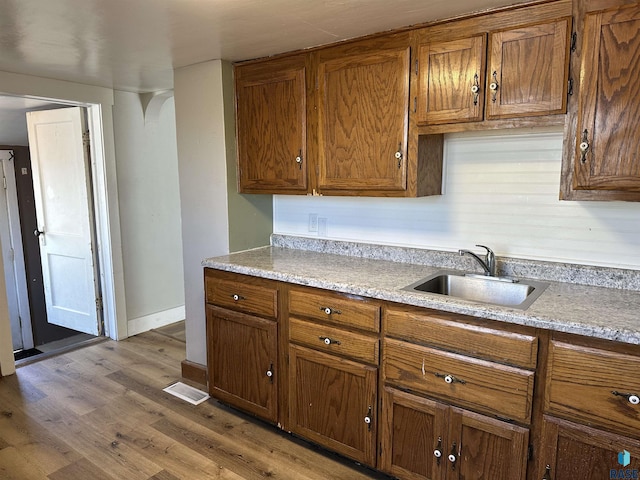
(271, 125)
(608, 103)
(351, 117)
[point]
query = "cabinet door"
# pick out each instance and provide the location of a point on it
(242, 354)
(481, 447)
(363, 113)
(608, 138)
(333, 402)
(452, 81)
(528, 70)
(271, 126)
(575, 451)
(412, 435)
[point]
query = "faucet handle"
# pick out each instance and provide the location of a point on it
(486, 248)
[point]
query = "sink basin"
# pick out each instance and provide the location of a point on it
(494, 290)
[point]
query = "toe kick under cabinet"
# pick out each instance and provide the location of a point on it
(422, 394)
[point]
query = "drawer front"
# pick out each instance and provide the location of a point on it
(335, 309)
(477, 384)
(244, 297)
(442, 330)
(334, 340)
(580, 383)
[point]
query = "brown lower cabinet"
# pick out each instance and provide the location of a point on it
(571, 450)
(333, 402)
(243, 352)
(423, 439)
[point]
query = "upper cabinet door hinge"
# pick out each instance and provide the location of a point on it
(574, 41)
(416, 66)
(99, 304)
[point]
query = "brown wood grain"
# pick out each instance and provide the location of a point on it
(256, 299)
(489, 387)
(329, 399)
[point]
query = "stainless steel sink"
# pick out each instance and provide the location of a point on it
(479, 288)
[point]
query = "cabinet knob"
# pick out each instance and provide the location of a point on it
(547, 473)
(632, 398)
(299, 159)
(270, 373)
(448, 378)
(237, 297)
(584, 146)
(398, 155)
(367, 418)
(475, 89)
(452, 456)
(438, 451)
(329, 341)
(493, 86)
(330, 311)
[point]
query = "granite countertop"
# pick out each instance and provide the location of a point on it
(595, 311)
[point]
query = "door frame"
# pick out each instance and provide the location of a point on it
(99, 103)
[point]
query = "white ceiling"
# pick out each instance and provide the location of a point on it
(134, 45)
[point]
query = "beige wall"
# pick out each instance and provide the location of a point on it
(213, 215)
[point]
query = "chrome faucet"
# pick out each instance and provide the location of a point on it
(489, 262)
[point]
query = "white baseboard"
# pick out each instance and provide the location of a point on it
(155, 320)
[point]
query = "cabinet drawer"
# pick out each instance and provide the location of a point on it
(489, 387)
(334, 340)
(443, 330)
(244, 297)
(581, 382)
(335, 309)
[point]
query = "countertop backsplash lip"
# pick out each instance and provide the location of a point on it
(595, 276)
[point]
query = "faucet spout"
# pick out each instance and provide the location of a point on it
(488, 264)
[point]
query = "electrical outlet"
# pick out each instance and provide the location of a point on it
(322, 227)
(313, 222)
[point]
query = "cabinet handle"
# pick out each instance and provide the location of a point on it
(299, 160)
(438, 451)
(584, 146)
(330, 311)
(448, 378)
(547, 473)
(452, 456)
(398, 155)
(493, 86)
(237, 297)
(475, 89)
(329, 341)
(270, 373)
(367, 418)
(632, 398)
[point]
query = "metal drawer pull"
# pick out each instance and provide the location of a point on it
(449, 378)
(632, 398)
(329, 310)
(237, 297)
(329, 341)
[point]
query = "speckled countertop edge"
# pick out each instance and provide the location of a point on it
(607, 313)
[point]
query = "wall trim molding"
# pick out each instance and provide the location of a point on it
(155, 320)
(194, 371)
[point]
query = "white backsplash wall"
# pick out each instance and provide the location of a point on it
(500, 189)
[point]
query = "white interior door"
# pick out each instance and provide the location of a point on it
(61, 184)
(13, 256)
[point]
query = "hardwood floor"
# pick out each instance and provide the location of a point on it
(99, 412)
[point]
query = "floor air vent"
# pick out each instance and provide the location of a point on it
(187, 393)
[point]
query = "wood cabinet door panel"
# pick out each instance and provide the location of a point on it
(528, 66)
(609, 105)
(329, 400)
(411, 430)
(486, 448)
(576, 451)
(271, 126)
(241, 350)
(363, 112)
(449, 71)
(488, 387)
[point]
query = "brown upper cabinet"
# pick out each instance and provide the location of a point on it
(363, 117)
(271, 126)
(520, 71)
(607, 138)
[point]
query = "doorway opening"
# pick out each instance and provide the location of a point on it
(24, 235)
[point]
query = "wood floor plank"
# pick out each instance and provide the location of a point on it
(100, 413)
